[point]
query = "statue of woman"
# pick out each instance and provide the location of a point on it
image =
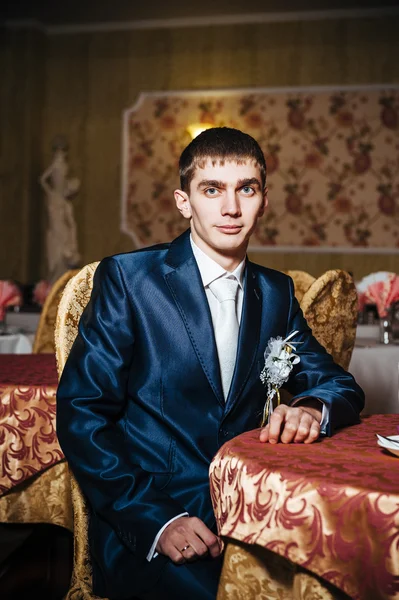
(61, 236)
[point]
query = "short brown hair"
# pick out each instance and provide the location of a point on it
(220, 144)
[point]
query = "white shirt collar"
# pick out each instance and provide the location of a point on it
(211, 270)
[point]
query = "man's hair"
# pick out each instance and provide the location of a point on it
(219, 144)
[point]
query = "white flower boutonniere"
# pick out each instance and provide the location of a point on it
(279, 361)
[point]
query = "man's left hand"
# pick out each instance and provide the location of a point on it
(292, 424)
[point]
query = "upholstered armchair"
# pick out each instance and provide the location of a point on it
(330, 308)
(329, 303)
(74, 299)
(302, 282)
(44, 337)
(251, 572)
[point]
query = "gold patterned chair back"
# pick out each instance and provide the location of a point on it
(74, 299)
(330, 308)
(44, 337)
(251, 571)
(302, 282)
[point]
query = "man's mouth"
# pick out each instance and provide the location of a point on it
(230, 229)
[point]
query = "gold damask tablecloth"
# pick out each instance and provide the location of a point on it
(34, 480)
(331, 509)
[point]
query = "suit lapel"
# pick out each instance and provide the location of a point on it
(248, 340)
(185, 284)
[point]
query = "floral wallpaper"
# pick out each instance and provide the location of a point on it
(332, 159)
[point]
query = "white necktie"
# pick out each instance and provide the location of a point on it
(226, 327)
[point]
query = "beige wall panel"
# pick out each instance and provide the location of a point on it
(107, 94)
(91, 78)
(66, 113)
(374, 50)
(22, 92)
(11, 164)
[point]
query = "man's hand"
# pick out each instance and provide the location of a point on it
(292, 424)
(187, 539)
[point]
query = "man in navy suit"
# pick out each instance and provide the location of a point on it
(145, 400)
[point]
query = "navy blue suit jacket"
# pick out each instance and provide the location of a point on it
(140, 411)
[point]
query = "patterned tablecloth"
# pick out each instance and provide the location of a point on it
(28, 441)
(330, 507)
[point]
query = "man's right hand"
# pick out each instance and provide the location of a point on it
(187, 539)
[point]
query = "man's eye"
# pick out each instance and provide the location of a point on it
(248, 190)
(211, 191)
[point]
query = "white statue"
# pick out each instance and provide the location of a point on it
(61, 237)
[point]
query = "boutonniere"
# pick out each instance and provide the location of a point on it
(279, 362)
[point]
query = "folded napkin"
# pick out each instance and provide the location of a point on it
(10, 295)
(41, 291)
(380, 288)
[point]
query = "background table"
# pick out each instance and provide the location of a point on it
(331, 508)
(16, 343)
(34, 482)
(21, 327)
(376, 369)
(26, 322)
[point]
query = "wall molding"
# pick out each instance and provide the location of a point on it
(222, 92)
(19, 24)
(207, 21)
(321, 250)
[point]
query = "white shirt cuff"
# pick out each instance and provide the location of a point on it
(325, 416)
(152, 554)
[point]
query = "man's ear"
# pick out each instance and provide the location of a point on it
(265, 202)
(183, 203)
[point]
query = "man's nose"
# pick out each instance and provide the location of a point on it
(231, 204)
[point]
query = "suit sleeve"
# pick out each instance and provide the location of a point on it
(319, 376)
(91, 401)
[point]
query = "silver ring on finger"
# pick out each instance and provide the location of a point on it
(185, 548)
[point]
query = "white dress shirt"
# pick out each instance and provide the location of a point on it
(209, 271)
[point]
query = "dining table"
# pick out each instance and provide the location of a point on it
(34, 480)
(307, 521)
(15, 342)
(18, 332)
(375, 366)
(23, 320)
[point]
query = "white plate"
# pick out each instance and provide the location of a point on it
(384, 442)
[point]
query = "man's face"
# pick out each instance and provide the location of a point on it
(223, 205)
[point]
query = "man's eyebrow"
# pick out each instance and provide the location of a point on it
(251, 181)
(211, 183)
(221, 184)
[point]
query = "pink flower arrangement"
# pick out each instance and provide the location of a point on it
(41, 291)
(380, 288)
(10, 295)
